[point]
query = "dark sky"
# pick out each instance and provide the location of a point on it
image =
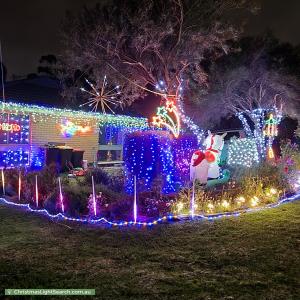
(30, 28)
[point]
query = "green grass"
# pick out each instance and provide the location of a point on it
(255, 256)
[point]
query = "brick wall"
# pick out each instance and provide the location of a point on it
(44, 132)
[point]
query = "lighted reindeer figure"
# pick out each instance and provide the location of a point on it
(205, 165)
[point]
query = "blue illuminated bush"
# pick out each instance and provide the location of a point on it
(157, 154)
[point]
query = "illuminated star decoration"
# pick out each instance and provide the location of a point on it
(163, 118)
(102, 96)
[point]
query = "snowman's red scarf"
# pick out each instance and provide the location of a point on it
(200, 157)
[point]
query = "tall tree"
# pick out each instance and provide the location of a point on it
(252, 83)
(49, 65)
(156, 45)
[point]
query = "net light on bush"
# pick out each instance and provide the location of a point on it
(242, 152)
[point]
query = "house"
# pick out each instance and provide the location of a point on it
(29, 132)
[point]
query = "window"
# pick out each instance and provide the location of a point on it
(14, 129)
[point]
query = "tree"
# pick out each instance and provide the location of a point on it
(150, 45)
(251, 88)
(49, 64)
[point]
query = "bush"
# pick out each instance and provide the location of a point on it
(258, 186)
(100, 177)
(266, 175)
(76, 199)
(290, 157)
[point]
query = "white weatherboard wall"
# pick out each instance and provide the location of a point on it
(44, 132)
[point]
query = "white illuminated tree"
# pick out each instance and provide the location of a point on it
(251, 92)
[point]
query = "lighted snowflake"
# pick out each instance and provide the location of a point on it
(102, 96)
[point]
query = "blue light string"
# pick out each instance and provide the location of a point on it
(157, 221)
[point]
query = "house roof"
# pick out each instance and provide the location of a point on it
(42, 113)
(40, 97)
(38, 90)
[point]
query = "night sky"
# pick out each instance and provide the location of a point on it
(29, 29)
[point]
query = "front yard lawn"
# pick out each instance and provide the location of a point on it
(255, 256)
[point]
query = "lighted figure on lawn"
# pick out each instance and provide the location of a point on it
(204, 165)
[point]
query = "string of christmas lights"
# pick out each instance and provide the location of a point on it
(101, 96)
(156, 154)
(43, 114)
(242, 152)
(190, 123)
(161, 87)
(259, 131)
(103, 220)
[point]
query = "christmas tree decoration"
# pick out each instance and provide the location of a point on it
(270, 129)
(102, 96)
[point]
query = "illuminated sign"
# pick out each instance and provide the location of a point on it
(10, 127)
(69, 129)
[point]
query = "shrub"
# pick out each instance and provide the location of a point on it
(290, 157)
(100, 176)
(258, 186)
(76, 199)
